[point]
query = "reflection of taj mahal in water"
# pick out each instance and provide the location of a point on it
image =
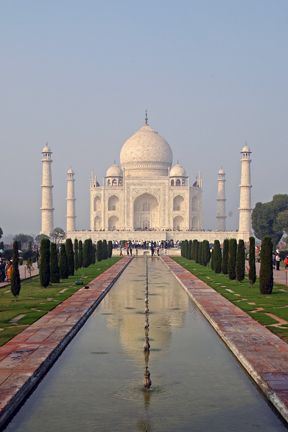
(146, 196)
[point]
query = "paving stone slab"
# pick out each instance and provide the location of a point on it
(25, 359)
(263, 354)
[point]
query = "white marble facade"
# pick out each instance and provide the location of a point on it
(146, 192)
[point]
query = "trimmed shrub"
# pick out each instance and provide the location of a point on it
(217, 257)
(99, 249)
(225, 256)
(252, 265)
(196, 248)
(86, 253)
(93, 253)
(80, 254)
(232, 259)
(44, 269)
(266, 266)
(54, 266)
(240, 261)
(76, 254)
(63, 263)
(110, 249)
(199, 258)
(105, 249)
(70, 256)
(15, 277)
(206, 252)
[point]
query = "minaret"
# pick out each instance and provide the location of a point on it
(221, 202)
(46, 189)
(70, 217)
(245, 193)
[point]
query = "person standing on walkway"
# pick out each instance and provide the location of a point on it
(277, 259)
(286, 262)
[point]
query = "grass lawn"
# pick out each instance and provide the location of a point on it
(35, 301)
(247, 298)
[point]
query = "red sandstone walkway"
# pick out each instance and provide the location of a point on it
(263, 354)
(27, 357)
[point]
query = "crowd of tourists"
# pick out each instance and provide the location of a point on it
(5, 270)
(132, 247)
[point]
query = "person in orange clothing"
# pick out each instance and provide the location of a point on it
(8, 270)
(286, 262)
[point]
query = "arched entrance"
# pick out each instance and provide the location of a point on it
(146, 212)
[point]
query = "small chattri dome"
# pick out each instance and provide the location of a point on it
(221, 171)
(114, 171)
(245, 149)
(177, 171)
(70, 171)
(46, 149)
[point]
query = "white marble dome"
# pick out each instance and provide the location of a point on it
(177, 171)
(46, 149)
(146, 152)
(114, 171)
(245, 149)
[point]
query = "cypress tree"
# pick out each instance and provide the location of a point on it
(86, 257)
(252, 265)
(15, 277)
(63, 263)
(54, 267)
(266, 266)
(44, 270)
(76, 254)
(70, 256)
(80, 254)
(105, 249)
(217, 257)
(189, 250)
(93, 253)
(199, 259)
(186, 245)
(240, 261)
(110, 248)
(232, 259)
(206, 252)
(99, 250)
(212, 259)
(196, 248)
(225, 256)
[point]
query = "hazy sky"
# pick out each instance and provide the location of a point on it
(80, 74)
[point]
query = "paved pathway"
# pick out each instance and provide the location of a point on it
(24, 274)
(263, 354)
(26, 358)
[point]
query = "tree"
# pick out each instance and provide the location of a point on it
(266, 266)
(44, 270)
(194, 250)
(196, 247)
(110, 249)
(63, 263)
(217, 257)
(104, 249)
(94, 253)
(15, 277)
(267, 218)
(206, 252)
(76, 254)
(58, 235)
(232, 259)
(23, 240)
(86, 257)
(240, 261)
(99, 250)
(40, 237)
(54, 266)
(225, 256)
(70, 256)
(80, 254)
(1, 232)
(252, 265)
(189, 249)
(199, 258)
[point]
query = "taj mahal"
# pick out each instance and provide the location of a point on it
(147, 197)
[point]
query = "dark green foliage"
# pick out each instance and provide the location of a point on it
(15, 277)
(232, 259)
(252, 265)
(105, 249)
(99, 249)
(196, 247)
(80, 254)
(70, 256)
(110, 249)
(217, 257)
(44, 270)
(86, 253)
(189, 250)
(240, 261)
(225, 256)
(212, 259)
(268, 219)
(76, 254)
(206, 255)
(266, 266)
(63, 263)
(54, 266)
(93, 254)
(194, 250)
(199, 258)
